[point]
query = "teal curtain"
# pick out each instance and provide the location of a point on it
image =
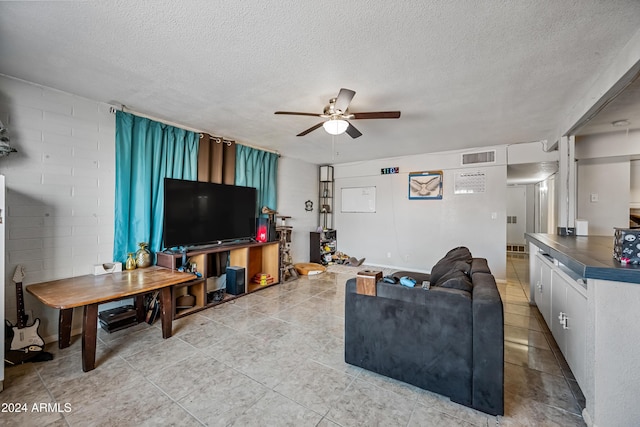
(146, 152)
(259, 169)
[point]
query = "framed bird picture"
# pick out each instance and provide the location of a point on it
(425, 185)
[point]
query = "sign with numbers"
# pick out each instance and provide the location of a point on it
(387, 171)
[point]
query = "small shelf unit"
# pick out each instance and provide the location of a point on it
(326, 188)
(322, 246)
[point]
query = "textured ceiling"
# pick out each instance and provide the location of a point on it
(464, 74)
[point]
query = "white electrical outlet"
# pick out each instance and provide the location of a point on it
(594, 197)
(388, 254)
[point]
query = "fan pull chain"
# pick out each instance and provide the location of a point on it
(333, 148)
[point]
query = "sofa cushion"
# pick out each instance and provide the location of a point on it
(455, 279)
(447, 263)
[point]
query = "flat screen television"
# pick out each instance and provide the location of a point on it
(203, 213)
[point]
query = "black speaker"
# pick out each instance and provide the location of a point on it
(265, 230)
(235, 280)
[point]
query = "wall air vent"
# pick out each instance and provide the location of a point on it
(475, 158)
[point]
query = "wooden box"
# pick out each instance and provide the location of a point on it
(366, 282)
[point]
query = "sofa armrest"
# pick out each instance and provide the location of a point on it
(488, 345)
(479, 265)
(418, 336)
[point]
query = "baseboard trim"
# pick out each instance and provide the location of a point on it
(54, 338)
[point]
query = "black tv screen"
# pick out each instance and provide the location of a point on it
(200, 213)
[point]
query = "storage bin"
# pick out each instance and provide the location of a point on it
(626, 245)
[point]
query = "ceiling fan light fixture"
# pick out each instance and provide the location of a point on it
(335, 126)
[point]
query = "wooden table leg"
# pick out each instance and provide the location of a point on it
(64, 327)
(140, 314)
(89, 336)
(166, 313)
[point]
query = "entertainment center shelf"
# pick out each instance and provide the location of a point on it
(255, 258)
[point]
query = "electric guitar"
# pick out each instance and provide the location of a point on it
(23, 335)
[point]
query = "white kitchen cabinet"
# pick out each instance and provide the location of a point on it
(569, 317)
(561, 298)
(599, 336)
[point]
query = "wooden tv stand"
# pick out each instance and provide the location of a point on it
(255, 258)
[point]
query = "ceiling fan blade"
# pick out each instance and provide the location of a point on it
(311, 129)
(344, 99)
(295, 113)
(377, 115)
(353, 132)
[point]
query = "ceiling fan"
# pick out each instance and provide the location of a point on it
(338, 116)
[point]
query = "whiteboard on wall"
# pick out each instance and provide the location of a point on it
(359, 199)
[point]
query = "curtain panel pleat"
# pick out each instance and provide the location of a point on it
(229, 163)
(216, 160)
(146, 152)
(259, 169)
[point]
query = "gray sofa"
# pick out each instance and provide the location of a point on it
(448, 339)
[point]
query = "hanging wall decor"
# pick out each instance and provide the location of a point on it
(5, 147)
(308, 206)
(425, 185)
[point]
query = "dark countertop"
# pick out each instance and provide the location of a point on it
(590, 257)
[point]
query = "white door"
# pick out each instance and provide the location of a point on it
(558, 309)
(576, 332)
(516, 214)
(3, 215)
(543, 289)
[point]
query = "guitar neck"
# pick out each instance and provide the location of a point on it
(22, 317)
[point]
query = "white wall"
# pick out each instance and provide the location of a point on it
(415, 234)
(634, 197)
(60, 189)
(297, 183)
(530, 152)
(608, 180)
(605, 169)
(612, 144)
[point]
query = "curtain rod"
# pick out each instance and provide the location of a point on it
(126, 109)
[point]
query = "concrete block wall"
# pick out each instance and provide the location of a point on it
(59, 188)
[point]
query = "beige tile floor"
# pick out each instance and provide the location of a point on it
(275, 358)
